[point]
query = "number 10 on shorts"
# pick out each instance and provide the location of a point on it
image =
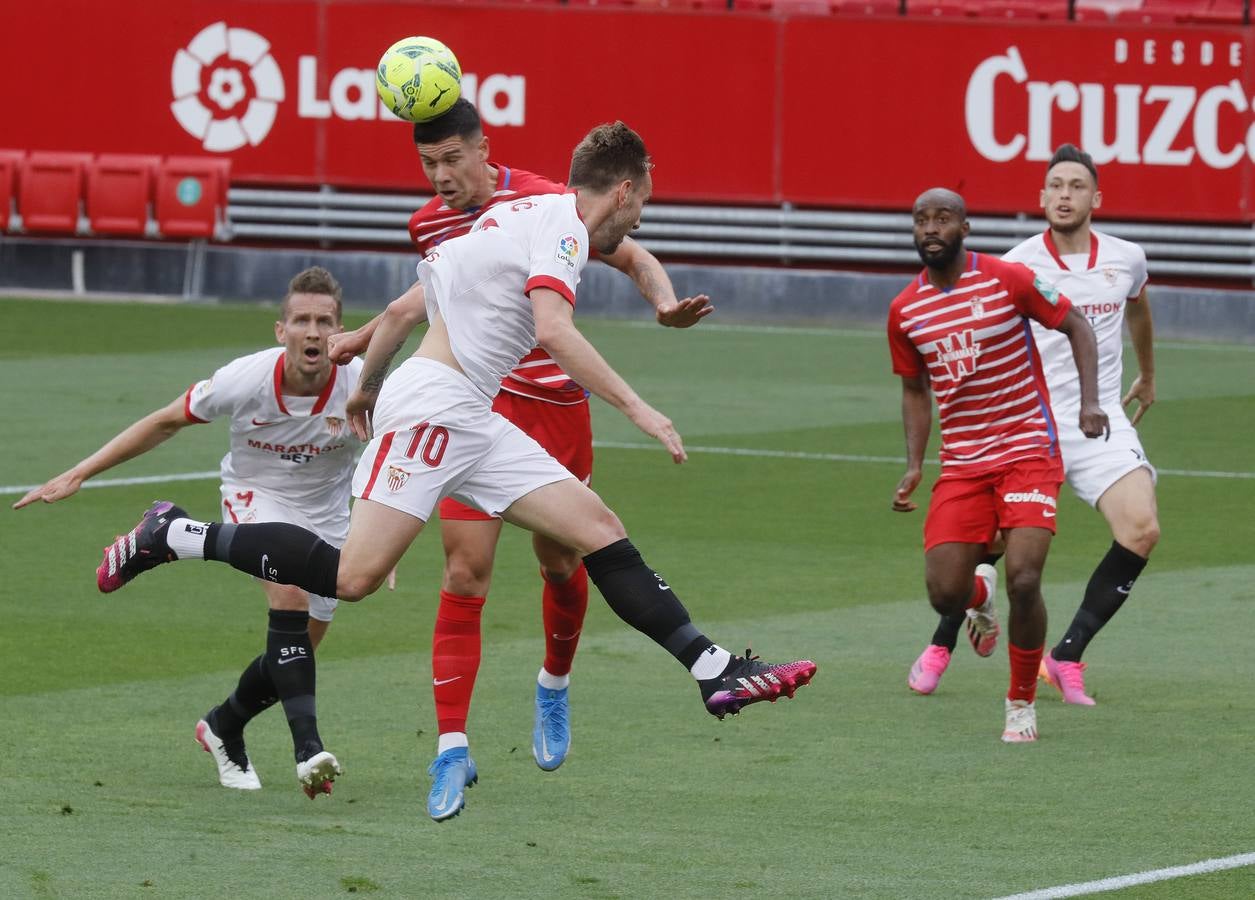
(433, 440)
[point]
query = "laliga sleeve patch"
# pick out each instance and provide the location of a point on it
(1047, 290)
(568, 251)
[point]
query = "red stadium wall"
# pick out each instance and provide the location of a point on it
(821, 111)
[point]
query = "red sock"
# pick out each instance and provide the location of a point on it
(1024, 666)
(455, 659)
(564, 606)
(980, 593)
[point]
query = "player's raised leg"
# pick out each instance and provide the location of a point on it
(564, 602)
(1130, 509)
(570, 513)
(953, 588)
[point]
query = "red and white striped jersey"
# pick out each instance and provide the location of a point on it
(975, 342)
(537, 375)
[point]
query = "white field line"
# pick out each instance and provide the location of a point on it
(845, 457)
(622, 445)
(1119, 882)
(120, 482)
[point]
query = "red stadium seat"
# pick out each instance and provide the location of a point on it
(1091, 14)
(800, 7)
(935, 8)
(190, 196)
(866, 7)
(119, 191)
(1147, 16)
(1023, 9)
(50, 187)
(1221, 12)
(10, 161)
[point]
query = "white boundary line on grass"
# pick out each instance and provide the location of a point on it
(622, 445)
(1119, 882)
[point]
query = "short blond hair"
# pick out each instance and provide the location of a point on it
(314, 280)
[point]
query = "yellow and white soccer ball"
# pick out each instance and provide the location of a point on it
(418, 78)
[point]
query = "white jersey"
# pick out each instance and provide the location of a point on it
(478, 283)
(1098, 283)
(298, 449)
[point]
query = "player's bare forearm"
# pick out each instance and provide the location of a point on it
(393, 328)
(556, 332)
(1093, 420)
(1142, 332)
(917, 412)
(917, 420)
(654, 284)
(137, 439)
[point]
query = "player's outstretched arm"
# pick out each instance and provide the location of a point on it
(341, 348)
(139, 438)
(917, 422)
(1085, 351)
(556, 332)
(397, 322)
(1142, 331)
(654, 283)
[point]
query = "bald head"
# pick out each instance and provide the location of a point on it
(941, 198)
(940, 218)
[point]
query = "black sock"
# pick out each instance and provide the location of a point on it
(991, 559)
(290, 663)
(1106, 592)
(947, 633)
(276, 551)
(254, 694)
(641, 598)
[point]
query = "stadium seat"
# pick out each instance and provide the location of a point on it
(1023, 9)
(119, 191)
(1090, 14)
(1220, 12)
(190, 195)
(10, 160)
(866, 7)
(935, 8)
(50, 188)
(800, 7)
(1147, 16)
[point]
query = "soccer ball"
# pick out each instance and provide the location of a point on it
(418, 78)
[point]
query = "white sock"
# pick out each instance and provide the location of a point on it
(711, 663)
(451, 739)
(552, 682)
(186, 537)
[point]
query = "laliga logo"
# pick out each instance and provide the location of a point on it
(227, 88)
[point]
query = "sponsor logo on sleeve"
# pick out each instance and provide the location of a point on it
(1047, 290)
(568, 251)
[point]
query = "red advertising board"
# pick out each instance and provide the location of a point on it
(980, 107)
(817, 111)
(288, 85)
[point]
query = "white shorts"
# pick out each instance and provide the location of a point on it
(436, 436)
(1093, 465)
(242, 505)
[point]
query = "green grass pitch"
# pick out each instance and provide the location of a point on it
(856, 788)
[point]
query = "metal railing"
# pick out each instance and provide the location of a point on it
(780, 235)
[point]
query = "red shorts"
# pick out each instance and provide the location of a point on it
(566, 432)
(971, 510)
